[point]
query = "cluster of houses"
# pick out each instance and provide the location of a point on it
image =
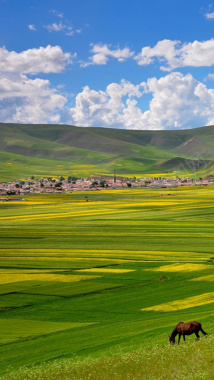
(59, 185)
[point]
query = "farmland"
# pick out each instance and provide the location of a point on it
(107, 276)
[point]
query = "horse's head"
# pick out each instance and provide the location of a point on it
(171, 339)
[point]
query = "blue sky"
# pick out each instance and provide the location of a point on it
(134, 64)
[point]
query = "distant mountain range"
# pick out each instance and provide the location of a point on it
(53, 150)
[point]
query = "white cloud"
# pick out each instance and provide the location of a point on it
(173, 54)
(68, 30)
(25, 100)
(32, 27)
(209, 16)
(30, 100)
(57, 13)
(210, 76)
(102, 52)
(50, 59)
(177, 102)
(165, 48)
(101, 108)
(55, 27)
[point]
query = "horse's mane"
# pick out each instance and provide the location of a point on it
(174, 332)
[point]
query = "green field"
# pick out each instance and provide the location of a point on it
(111, 275)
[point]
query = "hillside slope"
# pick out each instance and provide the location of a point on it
(85, 151)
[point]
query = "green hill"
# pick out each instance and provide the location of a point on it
(27, 150)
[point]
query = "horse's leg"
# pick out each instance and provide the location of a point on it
(197, 335)
(184, 337)
(179, 337)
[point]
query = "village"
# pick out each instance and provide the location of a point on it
(72, 183)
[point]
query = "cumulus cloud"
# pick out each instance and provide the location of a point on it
(101, 108)
(50, 59)
(102, 53)
(23, 99)
(177, 102)
(173, 54)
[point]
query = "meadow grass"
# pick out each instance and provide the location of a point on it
(131, 252)
(192, 361)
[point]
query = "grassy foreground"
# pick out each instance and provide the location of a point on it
(192, 361)
(102, 283)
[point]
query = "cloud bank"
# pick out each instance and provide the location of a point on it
(168, 53)
(178, 101)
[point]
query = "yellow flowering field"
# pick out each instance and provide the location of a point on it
(209, 277)
(177, 267)
(27, 271)
(186, 303)
(7, 278)
(106, 270)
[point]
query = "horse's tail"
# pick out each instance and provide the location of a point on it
(203, 332)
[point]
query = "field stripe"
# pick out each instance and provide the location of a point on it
(209, 277)
(10, 278)
(190, 267)
(186, 303)
(105, 270)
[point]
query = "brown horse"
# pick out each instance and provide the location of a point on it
(187, 328)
